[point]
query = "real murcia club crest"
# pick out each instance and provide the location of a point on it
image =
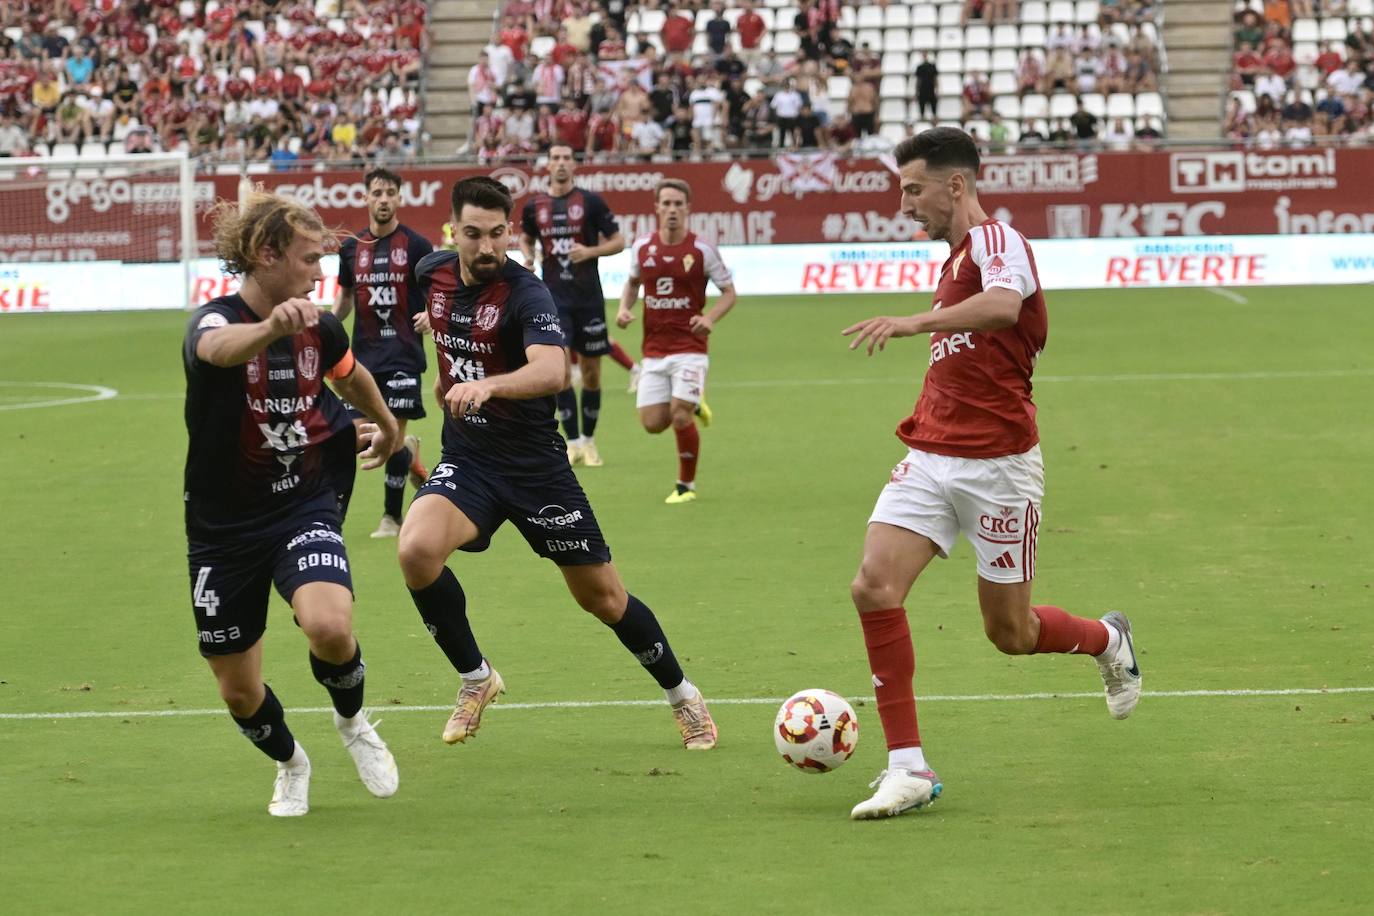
(399, 257)
(486, 317)
(308, 361)
(687, 262)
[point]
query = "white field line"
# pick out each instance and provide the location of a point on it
(1228, 294)
(742, 701)
(92, 393)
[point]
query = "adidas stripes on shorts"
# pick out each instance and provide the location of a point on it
(994, 502)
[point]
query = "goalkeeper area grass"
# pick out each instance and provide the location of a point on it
(1208, 472)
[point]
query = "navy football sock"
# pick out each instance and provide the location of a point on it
(344, 682)
(397, 467)
(639, 632)
(444, 608)
(267, 729)
(591, 409)
(567, 413)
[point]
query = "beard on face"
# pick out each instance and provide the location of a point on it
(485, 269)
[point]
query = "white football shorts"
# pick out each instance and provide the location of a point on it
(681, 376)
(994, 502)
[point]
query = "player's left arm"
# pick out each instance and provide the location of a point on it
(357, 386)
(720, 275)
(612, 242)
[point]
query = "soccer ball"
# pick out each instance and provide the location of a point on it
(816, 731)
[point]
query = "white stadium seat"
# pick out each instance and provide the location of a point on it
(1121, 105)
(1034, 106)
(1008, 106)
(892, 111)
(977, 60)
(1005, 59)
(894, 86)
(923, 39)
(951, 38)
(897, 40)
(896, 62)
(1246, 99)
(1085, 11)
(837, 87)
(977, 36)
(951, 62)
(949, 108)
(892, 133)
(1333, 30)
(1032, 36)
(1006, 36)
(788, 42)
(1149, 104)
(870, 17)
(651, 21)
(898, 16)
(1002, 83)
(1095, 103)
(949, 83)
(1062, 105)
(1034, 11)
(952, 14)
(871, 37)
(1061, 11)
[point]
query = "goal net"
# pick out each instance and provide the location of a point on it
(86, 234)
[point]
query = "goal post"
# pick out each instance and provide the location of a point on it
(91, 233)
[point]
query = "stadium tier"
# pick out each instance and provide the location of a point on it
(235, 80)
(645, 81)
(1302, 73)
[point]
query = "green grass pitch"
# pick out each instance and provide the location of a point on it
(1209, 472)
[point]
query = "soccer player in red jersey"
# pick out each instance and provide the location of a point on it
(673, 266)
(973, 465)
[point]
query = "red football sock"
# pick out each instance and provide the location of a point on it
(620, 356)
(572, 357)
(892, 659)
(688, 448)
(1060, 631)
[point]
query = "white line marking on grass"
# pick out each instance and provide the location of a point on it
(742, 701)
(1228, 294)
(94, 393)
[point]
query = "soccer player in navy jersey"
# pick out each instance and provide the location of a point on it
(270, 458)
(500, 343)
(574, 229)
(377, 279)
(972, 466)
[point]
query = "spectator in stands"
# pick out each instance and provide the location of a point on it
(758, 122)
(1329, 60)
(718, 29)
(678, 32)
(14, 139)
(1267, 132)
(140, 139)
(1297, 134)
(1113, 69)
(998, 134)
(1059, 72)
(1347, 81)
(1296, 109)
(863, 107)
(1062, 39)
(680, 131)
(1060, 134)
(1030, 72)
(808, 128)
(1084, 123)
(648, 138)
(79, 67)
(1031, 137)
(771, 72)
(570, 125)
(927, 78)
(1148, 136)
(866, 64)
(1140, 75)
(664, 97)
(1088, 70)
(977, 96)
(787, 104)
(548, 83)
(751, 29)
(1268, 83)
(1118, 134)
(708, 115)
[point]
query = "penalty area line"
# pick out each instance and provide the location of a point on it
(92, 393)
(740, 701)
(1225, 293)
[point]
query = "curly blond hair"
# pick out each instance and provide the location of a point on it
(261, 219)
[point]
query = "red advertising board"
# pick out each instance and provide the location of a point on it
(802, 198)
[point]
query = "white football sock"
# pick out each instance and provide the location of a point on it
(684, 691)
(907, 758)
(1113, 641)
(481, 673)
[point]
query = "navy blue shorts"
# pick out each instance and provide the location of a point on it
(584, 328)
(551, 512)
(231, 579)
(402, 393)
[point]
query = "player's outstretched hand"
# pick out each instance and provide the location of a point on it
(293, 316)
(421, 322)
(382, 443)
(624, 318)
(877, 331)
(701, 325)
(466, 398)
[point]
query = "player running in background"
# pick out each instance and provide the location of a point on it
(271, 454)
(973, 464)
(499, 341)
(574, 229)
(673, 266)
(377, 278)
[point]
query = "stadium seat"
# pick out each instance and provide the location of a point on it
(787, 43)
(64, 150)
(951, 38)
(871, 37)
(977, 36)
(1095, 103)
(920, 126)
(1308, 77)
(950, 83)
(892, 133)
(1149, 104)
(950, 62)
(1005, 59)
(977, 60)
(870, 17)
(1246, 99)
(93, 151)
(897, 16)
(1002, 83)
(1034, 106)
(786, 16)
(897, 40)
(1120, 105)
(896, 62)
(1008, 106)
(1305, 52)
(925, 15)
(1061, 11)
(1032, 36)
(892, 111)
(651, 21)
(893, 86)
(701, 45)
(1034, 11)
(952, 15)
(1085, 12)
(837, 87)
(1006, 36)
(1360, 7)
(1333, 30)
(923, 39)
(1062, 105)
(753, 85)
(949, 108)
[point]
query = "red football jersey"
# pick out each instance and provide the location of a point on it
(674, 278)
(976, 399)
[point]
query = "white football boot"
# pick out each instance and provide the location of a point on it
(898, 791)
(376, 766)
(291, 791)
(1120, 670)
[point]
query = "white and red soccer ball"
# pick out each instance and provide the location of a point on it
(816, 731)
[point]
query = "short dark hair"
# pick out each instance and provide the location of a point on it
(483, 193)
(673, 184)
(940, 147)
(386, 175)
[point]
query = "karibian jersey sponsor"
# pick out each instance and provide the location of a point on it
(976, 399)
(267, 436)
(674, 279)
(481, 331)
(578, 217)
(386, 298)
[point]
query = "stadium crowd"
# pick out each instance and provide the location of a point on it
(609, 77)
(1302, 74)
(239, 80)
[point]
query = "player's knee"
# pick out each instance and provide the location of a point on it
(656, 424)
(420, 563)
(872, 593)
(683, 419)
(242, 697)
(1010, 638)
(605, 604)
(331, 633)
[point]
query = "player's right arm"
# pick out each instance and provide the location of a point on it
(343, 302)
(236, 344)
(629, 295)
(529, 233)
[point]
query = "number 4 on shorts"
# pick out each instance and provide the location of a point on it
(203, 597)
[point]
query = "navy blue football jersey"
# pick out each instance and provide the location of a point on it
(558, 222)
(386, 298)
